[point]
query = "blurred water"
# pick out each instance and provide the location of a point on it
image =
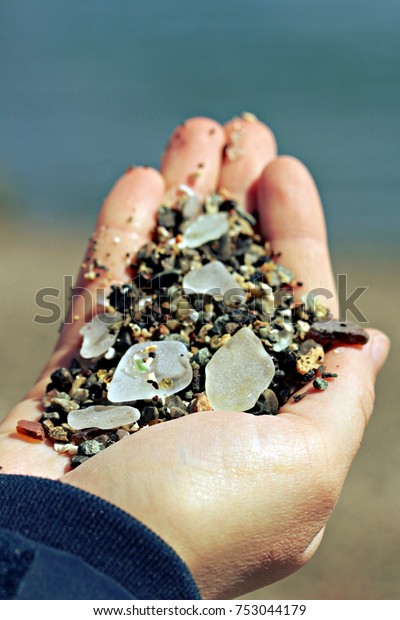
(90, 87)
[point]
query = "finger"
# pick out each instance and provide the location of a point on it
(340, 414)
(193, 155)
(250, 146)
(292, 218)
(123, 226)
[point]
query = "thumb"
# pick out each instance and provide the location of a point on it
(342, 412)
(379, 346)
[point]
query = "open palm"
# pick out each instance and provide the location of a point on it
(242, 499)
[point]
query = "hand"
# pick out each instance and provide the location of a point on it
(242, 499)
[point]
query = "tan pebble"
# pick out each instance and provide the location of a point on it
(200, 403)
(311, 360)
(58, 433)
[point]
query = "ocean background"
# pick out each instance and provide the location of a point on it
(90, 87)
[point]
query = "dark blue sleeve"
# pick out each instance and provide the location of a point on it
(58, 542)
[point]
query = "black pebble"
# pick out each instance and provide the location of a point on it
(227, 205)
(62, 379)
(78, 459)
(169, 218)
(124, 341)
(148, 413)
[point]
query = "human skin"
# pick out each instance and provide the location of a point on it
(242, 499)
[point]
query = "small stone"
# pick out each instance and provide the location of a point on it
(207, 227)
(204, 356)
(238, 372)
(103, 417)
(200, 403)
(280, 338)
(167, 217)
(48, 424)
(214, 279)
(31, 429)
(298, 397)
(77, 384)
(338, 332)
(121, 434)
(78, 459)
(88, 433)
(46, 399)
(174, 401)
(320, 384)
(310, 357)
(80, 395)
(62, 379)
(176, 412)
(149, 413)
(139, 376)
(110, 353)
(270, 404)
(61, 448)
(54, 416)
(90, 447)
(64, 404)
(58, 433)
(107, 439)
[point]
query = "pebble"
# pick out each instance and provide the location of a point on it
(62, 379)
(65, 404)
(320, 384)
(204, 228)
(135, 378)
(58, 433)
(177, 412)
(310, 357)
(200, 403)
(80, 395)
(338, 332)
(90, 447)
(167, 217)
(238, 372)
(103, 417)
(46, 399)
(213, 279)
(270, 402)
(61, 448)
(121, 434)
(31, 429)
(78, 459)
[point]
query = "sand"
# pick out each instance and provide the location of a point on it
(358, 558)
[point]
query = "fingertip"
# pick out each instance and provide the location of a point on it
(193, 155)
(286, 175)
(142, 175)
(379, 347)
(253, 127)
(250, 145)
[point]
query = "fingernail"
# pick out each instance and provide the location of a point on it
(380, 350)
